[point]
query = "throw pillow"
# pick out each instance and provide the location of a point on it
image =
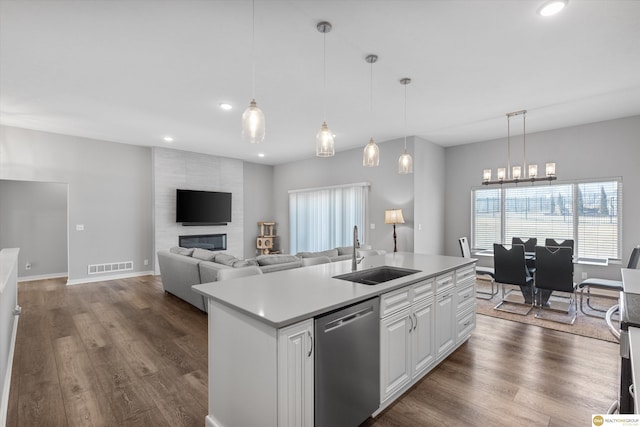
(226, 259)
(181, 251)
(276, 259)
(203, 254)
(345, 250)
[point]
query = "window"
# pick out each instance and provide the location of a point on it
(585, 211)
(323, 218)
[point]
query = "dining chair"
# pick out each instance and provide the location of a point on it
(530, 247)
(480, 271)
(554, 273)
(511, 269)
(565, 242)
(605, 284)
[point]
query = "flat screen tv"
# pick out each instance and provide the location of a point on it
(203, 207)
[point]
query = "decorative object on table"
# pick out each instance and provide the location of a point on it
(394, 216)
(517, 173)
(405, 162)
(253, 123)
(266, 240)
(371, 154)
(324, 138)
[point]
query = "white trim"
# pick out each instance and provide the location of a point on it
(6, 387)
(109, 277)
(42, 277)
(329, 187)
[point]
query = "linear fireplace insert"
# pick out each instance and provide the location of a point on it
(212, 242)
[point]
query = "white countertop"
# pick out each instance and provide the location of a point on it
(285, 297)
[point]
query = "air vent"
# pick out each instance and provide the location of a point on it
(110, 267)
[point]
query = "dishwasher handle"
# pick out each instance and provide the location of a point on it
(352, 317)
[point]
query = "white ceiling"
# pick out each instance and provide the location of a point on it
(133, 71)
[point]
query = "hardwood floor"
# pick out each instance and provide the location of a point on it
(124, 353)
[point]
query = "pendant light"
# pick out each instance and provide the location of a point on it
(405, 162)
(253, 124)
(324, 138)
(371, 155)
(517, 173)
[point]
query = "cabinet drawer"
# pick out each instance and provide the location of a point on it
(444, 282)
(422, 290)
(394, 301)
(465, 297)
(466, 323)
(465, 274)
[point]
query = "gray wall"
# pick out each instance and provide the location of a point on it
(110, 193)
(388, 190)
(33, 217)
(174, 169)
(597, 150)
(429, 188)
(258, 203)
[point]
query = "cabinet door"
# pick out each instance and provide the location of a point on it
(445, 313)
(395, 364)
(422, 340)
(295, 375)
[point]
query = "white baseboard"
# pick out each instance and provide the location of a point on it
(6, 387)
(109, 277)
(42, 277)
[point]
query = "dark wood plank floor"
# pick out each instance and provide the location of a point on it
(123, 353)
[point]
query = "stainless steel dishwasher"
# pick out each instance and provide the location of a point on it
(347, 365)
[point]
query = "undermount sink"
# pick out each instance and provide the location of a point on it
(377, 275)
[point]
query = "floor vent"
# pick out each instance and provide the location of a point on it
(110, 267)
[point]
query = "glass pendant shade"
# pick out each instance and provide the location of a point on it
(371, 155)
(533, 171)
(516, 172)
(550, 169)
(324, 142)
(502, 174)
(486, 175)
(253, 128)
(405, 163)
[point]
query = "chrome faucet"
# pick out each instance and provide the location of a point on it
(356, 245)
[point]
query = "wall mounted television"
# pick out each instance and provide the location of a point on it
(195, 207)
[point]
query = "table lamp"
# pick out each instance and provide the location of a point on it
(393, 216)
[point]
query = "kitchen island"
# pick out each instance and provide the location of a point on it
(261, 332)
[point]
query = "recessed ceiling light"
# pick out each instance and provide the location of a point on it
(226, 106)
(552, 7)
(260, 154)
(168, 138)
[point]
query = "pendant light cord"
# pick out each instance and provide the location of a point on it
(324, 74)
(508, 147)
(253, 49)
(405, 117)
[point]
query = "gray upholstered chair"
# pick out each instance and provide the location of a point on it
(316, 260)
(233, 273)
(480, 271)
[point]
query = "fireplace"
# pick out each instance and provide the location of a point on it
(212, 242)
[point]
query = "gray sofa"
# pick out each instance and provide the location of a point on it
(182, 268)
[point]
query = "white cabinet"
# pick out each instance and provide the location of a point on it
(406, 336)
(446, 314)
(465, 303)
(422, 343)
(295, 375)
(395, 356)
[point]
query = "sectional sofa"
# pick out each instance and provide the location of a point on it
(182, 268)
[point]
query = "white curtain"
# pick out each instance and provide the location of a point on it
(323, 218)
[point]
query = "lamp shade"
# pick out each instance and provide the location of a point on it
(393, 216)
(324, 142)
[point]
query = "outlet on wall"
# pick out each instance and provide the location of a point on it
(146, 262)
(27, 266)
(584, 275)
